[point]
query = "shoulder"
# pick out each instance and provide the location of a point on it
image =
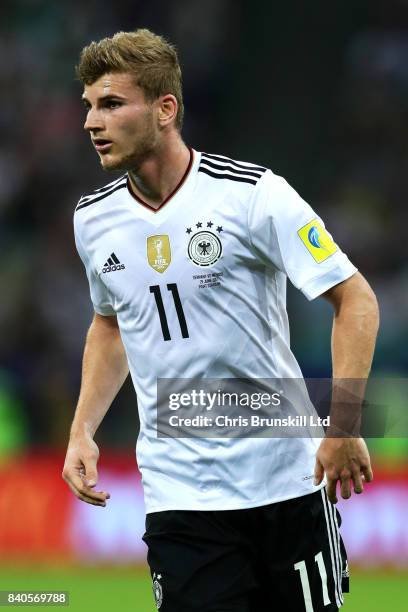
(222, 168)
(101, 193)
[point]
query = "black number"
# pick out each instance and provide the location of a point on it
(162, 313)
(155, 289)
(179, 309)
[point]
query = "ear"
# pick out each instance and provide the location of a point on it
(167, 111)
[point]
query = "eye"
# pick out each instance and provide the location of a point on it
(112, 104)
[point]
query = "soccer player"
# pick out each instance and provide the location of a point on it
(233, 524)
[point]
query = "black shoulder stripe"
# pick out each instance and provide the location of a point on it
(101, 197)
(231, 168)
(231, 177)
(112, 184)
(235, 163)
(96, 192)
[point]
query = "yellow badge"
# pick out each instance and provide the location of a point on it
(317, 241)
(159, 252)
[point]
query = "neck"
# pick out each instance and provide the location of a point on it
(160, 174)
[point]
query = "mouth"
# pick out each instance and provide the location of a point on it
(102, 144)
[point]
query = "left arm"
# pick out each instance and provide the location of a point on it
(355, 326)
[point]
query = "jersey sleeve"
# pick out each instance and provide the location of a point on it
(287, 234)
(100, 296)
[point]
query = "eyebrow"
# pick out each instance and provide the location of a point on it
(105, 97)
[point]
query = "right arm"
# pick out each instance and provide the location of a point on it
(104, 371)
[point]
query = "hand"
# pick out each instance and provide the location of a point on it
(80, 471)
(346, 460)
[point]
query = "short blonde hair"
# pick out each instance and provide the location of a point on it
(151, 58)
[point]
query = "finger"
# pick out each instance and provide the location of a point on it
(90, 474)
(357, 481)
(82, 488)
(367, 473)
(79, 487)
(331, 490)
(81, 495)
(86, 498)
(89, 490)
(345, 487)
(318, 472)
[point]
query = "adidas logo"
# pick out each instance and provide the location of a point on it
(113, 264)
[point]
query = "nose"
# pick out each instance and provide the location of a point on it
(93, 121)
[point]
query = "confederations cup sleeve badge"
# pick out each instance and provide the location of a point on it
(204, 247)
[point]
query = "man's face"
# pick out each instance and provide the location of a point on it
(120, 121)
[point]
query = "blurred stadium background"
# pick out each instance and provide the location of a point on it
(316, 91)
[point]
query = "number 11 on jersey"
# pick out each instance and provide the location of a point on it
(301, 568)
(155, 289)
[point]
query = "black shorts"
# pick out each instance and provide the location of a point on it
(284, 557)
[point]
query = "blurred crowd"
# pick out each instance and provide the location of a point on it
(327, 111)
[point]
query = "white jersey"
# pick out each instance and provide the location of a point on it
(199, 290)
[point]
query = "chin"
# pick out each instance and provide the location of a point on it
(110, 165)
